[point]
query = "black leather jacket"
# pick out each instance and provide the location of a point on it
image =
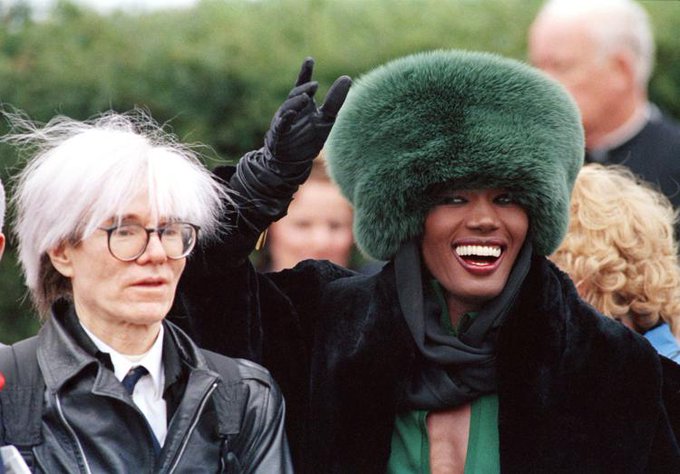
(228, 418)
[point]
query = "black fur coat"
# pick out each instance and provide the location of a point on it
(577, 392)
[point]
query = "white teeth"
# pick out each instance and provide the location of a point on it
(478, 250)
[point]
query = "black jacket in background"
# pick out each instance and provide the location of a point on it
(653, 154)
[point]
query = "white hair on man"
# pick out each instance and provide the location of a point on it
(615, 25)
(2, 206)
(84, 173)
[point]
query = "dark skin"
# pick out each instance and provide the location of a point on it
(478, 220)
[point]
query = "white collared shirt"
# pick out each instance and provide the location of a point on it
(148, 392)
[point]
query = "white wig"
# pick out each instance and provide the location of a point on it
(84, 173)
(615, 24)
(2, 206)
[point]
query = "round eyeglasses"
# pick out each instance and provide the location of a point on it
(127, 242)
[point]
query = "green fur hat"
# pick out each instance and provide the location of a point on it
(470, 120)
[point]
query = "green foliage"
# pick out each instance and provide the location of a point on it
(664, 88)
(17, 320)
(217, 72)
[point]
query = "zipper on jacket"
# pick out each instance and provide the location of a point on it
(37, 464)
(73, 434)
(191, 429)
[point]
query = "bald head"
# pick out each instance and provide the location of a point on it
(610, 25)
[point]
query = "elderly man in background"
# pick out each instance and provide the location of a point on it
(602, 51)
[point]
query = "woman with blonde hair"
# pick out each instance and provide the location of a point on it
(622, 255)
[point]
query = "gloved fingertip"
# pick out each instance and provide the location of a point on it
(342, 83)
(336, 96)
(306, 71)
(298, 102)
(311, 90)
(306, 89)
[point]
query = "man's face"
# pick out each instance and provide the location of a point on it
(116, 295)
(566, 50)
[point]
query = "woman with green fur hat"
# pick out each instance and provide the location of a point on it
(469, 351)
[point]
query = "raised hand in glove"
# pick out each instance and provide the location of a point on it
(266, 179)
(300, 128)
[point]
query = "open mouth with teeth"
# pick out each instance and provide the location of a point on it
(479, 255)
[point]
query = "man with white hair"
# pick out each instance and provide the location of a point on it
(602, 51)
(108, 212)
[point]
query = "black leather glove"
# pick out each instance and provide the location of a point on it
(266, 179)
(299, 129)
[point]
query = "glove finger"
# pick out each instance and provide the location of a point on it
(306, 70)
(289, 112)
(335, 97)
(308, 88)
(296, 103)
(284, 122)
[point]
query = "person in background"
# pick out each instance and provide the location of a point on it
(318, 225)
(602, 51)
(108, 212)
(469, 350)
(622, 255)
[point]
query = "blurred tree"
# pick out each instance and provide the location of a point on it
(17, 321)
(218, 71)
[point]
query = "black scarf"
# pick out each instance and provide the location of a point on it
(451, 370)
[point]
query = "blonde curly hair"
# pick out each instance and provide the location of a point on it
(620, 248)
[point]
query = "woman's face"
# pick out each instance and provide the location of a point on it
(318, 225)
(110, 293)
(470, 242)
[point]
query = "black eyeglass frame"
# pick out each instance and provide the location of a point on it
(159, 230)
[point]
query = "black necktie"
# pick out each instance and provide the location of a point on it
(129, 382)
(132, 377)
